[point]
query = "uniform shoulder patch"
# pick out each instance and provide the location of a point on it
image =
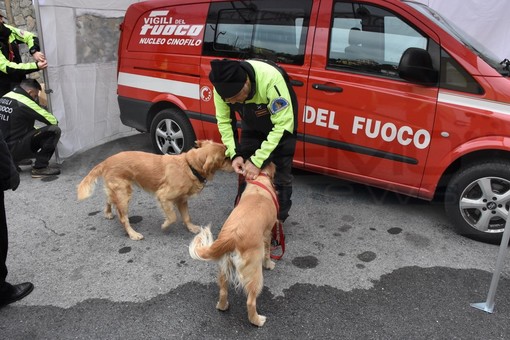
(278, 105)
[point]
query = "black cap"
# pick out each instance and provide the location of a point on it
(227, 76)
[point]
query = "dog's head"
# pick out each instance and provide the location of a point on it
(212, 156)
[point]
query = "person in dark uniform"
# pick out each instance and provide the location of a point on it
(12, 68)
(9, 179)
(260, 93)
(18, 112)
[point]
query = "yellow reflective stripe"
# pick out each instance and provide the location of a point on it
(33, 105)
(4, 63)
(224, 125)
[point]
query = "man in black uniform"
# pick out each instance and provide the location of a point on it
(259, 91)
(18, 112)
(9, 179)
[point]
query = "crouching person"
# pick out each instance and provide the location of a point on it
(19, 109)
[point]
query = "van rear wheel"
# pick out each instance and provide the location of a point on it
(478, 199)
(171, 132)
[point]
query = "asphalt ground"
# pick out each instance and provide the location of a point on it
(361, 263)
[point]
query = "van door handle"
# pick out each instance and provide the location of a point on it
(296, 82)
(327, 88)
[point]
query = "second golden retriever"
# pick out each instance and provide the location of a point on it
(171, 178)
(243, 244)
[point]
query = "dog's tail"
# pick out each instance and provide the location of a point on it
(87, 184)
(204, 248)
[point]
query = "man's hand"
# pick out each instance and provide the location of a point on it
(238, 165)
(15, 181)
(39, 56)
(250, 170)
(42, 64)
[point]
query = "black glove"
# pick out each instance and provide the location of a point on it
(10, 175)
(10, 183)
(15, 181)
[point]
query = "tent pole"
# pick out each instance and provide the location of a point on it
(41, 42)
(47, 88)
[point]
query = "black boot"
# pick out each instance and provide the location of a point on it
(284, 195)
(12, 293)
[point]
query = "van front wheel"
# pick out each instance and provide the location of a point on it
(171, 132)
(478, 199)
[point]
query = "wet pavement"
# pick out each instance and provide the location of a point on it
(361, 263)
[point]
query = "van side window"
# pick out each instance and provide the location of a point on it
(455, 77)
(267, 29)
(369, 39)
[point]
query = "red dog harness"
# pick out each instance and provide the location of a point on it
(278, 237)
(275, 200)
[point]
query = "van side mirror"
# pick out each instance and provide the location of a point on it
(416, 66)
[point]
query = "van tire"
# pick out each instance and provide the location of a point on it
(488, 207)
(171, 132)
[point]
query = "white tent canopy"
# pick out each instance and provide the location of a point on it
(84, 95)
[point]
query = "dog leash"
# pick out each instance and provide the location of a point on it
(278, 240)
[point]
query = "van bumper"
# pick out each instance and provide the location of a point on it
(133, 113)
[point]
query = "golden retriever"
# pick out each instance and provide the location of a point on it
(243, 244)
(171, 178)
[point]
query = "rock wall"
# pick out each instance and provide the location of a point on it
(96, 38)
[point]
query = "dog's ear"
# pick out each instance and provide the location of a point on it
(214, 159)
(202, 143)
(211, 163)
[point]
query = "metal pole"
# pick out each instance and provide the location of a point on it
(488, 306)
(47, 87)
(8, 11)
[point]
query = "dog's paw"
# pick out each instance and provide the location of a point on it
(193, 228)
(268, 264)
(136, 236)
(259, 320)
(165, 226)
(109, 215)
(222, 306)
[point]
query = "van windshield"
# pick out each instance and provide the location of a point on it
(267, 29)
(463, 37)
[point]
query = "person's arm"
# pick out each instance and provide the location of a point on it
(12, 68)
(30, 108)
(9, 177)
(224, 123)
(39, 113)
(282, 119)
(29, 38)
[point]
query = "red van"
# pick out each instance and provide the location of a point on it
(390, 94)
